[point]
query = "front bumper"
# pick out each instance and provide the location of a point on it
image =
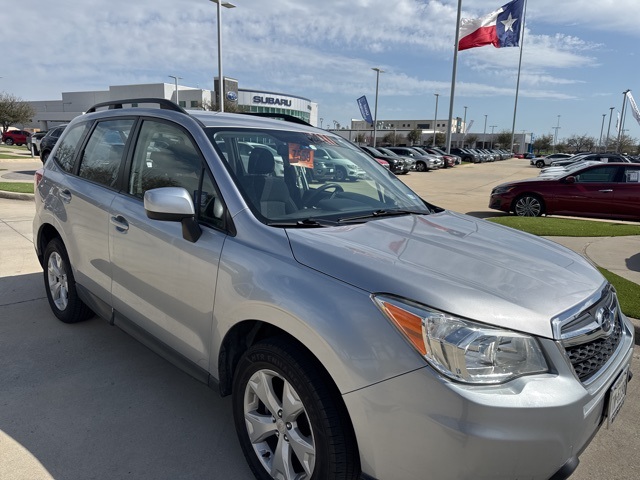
(419, 425)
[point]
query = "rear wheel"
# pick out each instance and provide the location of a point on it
(341, 174)
(61, 285)
(290, 421)
(528, 205)
(421, 167)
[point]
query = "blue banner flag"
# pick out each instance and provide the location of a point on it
(364, 109)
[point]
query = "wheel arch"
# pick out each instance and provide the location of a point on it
(46, 233)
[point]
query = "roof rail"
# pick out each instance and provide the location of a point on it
(162, 102)
(278, 116)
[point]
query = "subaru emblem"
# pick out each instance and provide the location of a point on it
(232, 96)
(605, 318)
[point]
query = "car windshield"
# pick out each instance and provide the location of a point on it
(307, 179)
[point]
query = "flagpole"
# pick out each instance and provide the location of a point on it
(453, 76)
(622, 115)
(515, 107)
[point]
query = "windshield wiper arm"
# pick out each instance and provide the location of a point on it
(382, 213)
(304, 223)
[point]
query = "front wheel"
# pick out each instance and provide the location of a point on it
(44, 155)
(290, 420)
(8, 141)
(528, 206)
(540, 163)
(421, 167)
(61, 285)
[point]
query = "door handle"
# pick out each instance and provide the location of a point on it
(120, 223)
(606, 190)
(65, 195)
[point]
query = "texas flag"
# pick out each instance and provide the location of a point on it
(500, 28)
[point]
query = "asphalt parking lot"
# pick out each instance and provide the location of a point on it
(87, 401)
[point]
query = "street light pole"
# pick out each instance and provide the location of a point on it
(609, 128)
(555, 137)
(464, 123)
(220, 74)
(435, 120)
(492, 127)
(604, 115)
(176, 79)
(321, 120)
(375, 111)
(484, 134)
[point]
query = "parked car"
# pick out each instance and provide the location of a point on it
(436, 150)
(601, 157)
(15, 137)
(33, 142)
(547, 160)
(408, 163)
(360, 331)
(424, 163)
(394, 162)
(345, 169)
(598, 190)
(447, 161)
(526, 155)
(466, 155)
(49, 140)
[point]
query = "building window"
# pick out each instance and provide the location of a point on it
(194, 104)
(182, 103)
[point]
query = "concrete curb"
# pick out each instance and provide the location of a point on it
(636, 327)
(17, 196)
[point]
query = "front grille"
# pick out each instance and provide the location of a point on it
(592, 336)
(587, 359)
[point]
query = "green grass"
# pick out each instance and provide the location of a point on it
(564, 227)
(628, 292)
(17, 187)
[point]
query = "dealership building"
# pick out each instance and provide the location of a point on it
(50, 113)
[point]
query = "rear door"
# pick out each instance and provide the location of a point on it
(163, 283)
(627, 192)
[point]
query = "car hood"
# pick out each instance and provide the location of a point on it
(454, 263)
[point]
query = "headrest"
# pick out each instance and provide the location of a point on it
(261, 162)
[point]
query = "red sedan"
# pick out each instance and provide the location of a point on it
(610, 190)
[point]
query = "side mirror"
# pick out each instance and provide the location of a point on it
(173, 204)
(570, 179)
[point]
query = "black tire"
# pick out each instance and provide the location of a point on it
(8, 141)
(540, 163)
(421, 166)
(319, 424)
(340, 175)
(61, 285)
(44, 155)
(528, 205)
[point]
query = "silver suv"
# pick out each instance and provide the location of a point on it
(361, 332)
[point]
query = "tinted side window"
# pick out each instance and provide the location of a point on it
(102, 157)
(598, 175)
(65, 153)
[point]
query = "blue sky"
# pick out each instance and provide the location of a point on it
(578, 58)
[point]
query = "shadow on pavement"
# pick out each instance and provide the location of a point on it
(633, 262)
(88, 401)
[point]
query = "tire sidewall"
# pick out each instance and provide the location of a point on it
(265, 357)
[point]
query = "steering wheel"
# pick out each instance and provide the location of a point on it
(316, 194)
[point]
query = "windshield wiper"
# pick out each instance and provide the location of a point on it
(304, 223)
(382, 213)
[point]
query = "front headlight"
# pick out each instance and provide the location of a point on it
(463, 350)
(500, 189)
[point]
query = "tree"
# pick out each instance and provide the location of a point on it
(441, 139)
(543, 143)
(231, 107)
(580, 143)
(14, 111)
(470, 140)
(390, 138)
(502, 139)
(414, 136)
(361, 138)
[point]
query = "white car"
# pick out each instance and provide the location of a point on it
(549, 159)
